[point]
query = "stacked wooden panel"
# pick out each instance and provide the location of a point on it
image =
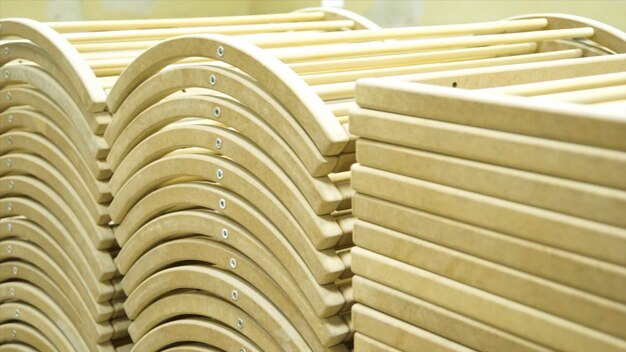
(60, 287)
(492, 216)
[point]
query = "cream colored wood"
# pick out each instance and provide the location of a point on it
(194, 303)
(28, 338)
(562, 85)
(592, 311)
(194, 330)
(34, 166)
(578, 199)
(324, 300)
(110, 25)
(291, 91)
(577, 235)
(257, 105)
(443, 322)
(191, 348)
(91, 146)
(239, 150)
(29, 120)
(39, 243)
(60, 52)
(84, 232)
(364, 49)
(68, 101)
(41, 323)
(593, 165)
(77, 174)
(399, 334)
(205, 195)
(360, 22)
(525, 322)
(553, 264)
(67, 298)
(166, 33)
(588, 96)
(18, 347)
(346, 90)
(38, 299)
(219, 284)
(328, 331)
(367, 344)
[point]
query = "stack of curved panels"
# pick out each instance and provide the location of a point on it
(60, 287)
(493, 218)
(231, 177)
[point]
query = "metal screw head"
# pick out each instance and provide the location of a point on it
(218, 143)
(234, 295)
(17, 313)
(10, 227)
(213, 79)
(13, 333)
(12, 291)
(8, 162)
(11, 184)
(240, 323)
(225, 233)
(6, 50)
(14, 270)
(9, 249)
(10, 207)
(222, 203)
(10, 118)
(8, 95)
(217, 111)
(10, 139)
(233, 263)
(220, 51)
(242, 350)
(7, 74)
(219, 173)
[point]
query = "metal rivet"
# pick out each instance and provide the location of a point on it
(222, 203)
(14, 270)
(240, 323)
(8, 95)
(218, 143)
(9, 207)
(233, 263)
(234, 295)
(220, 51)
(213, 79)
(242, 350)
(8, 162)
(10, 140)
(13, 333)
(219, 173)
(217, 111)
(6, 51)
(225, 233)
(10, 118)
(12, 291)
(10, 227)
(9, 249)
(7, 74)
(17, 313)
(11, 184)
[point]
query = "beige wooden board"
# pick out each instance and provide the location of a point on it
(199, 304)
(500, 313)
(85, 232)
(294, 186)
(25, 335)
(60, 52)
(209, 196)
(367, 344)
(35, 166)
(399, 334)
(222, 285)
(309, 110)
(39, 321)
(81, 336)
(325, 300)
(62, 136)
(68, 101)
(76, 173)
(198, 330)
(592, 311)
(334, 14)
(591, 202)
(549, 120)
(438, 320)
(539, 260)
(580, 236)
(67, 298)
(257, 104)
(18, 347)
(191, 348)
(201, 250)
(576, 162)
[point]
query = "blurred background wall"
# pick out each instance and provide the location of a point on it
(387, 13)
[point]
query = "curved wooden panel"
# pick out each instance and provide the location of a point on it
(29, 338)
(332, 14)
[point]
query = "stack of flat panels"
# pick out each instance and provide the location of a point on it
(60, 288)
(493, 218)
